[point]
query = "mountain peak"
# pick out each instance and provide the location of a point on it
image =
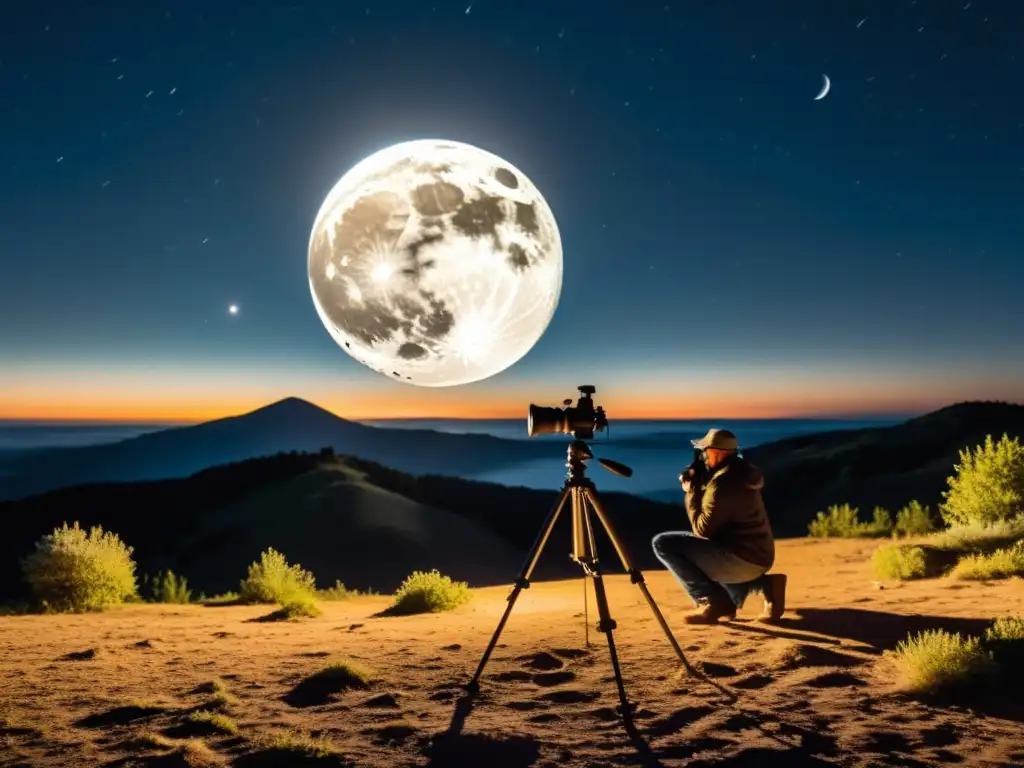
(294, 407)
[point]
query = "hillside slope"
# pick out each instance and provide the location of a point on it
(342, 527)
(288, 425)
(343, 518)
(886, 466)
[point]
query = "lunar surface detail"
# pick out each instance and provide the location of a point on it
(435, 263)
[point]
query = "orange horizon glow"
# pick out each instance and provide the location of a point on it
(165, 394)
(368, 407)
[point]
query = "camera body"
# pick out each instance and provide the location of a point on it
(697, 472)
(580, 421)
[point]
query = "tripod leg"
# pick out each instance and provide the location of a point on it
(522, 582)
(636, 576)
(606, 624)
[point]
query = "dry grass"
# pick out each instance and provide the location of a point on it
(1001, 564)
(935, 660)
(215, 721)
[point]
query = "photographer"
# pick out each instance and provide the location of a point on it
(731, 548)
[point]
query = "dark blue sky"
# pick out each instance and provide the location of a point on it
(731, 244)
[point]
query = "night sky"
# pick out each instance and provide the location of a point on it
(732, 246)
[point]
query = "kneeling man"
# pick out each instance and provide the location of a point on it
(730, 549)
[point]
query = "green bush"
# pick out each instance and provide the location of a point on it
(429, 592)
(988, 486)
(170, 588)
(841, 521)
(338, 592)
(273, 580)
(915, 519)
(1001, 564)
(978, 537)
(900, 563)
(936, 659)
(71, 570)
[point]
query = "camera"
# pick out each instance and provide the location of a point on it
(697, 472)
(580, 421)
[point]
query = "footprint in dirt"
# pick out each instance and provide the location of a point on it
(835, 680)
(541, 661)
(512, 676)
(712, 669)
(753, 683)
(549, 679)
(570, 696)
(545, 717)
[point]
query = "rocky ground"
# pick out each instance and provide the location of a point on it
(118, 688)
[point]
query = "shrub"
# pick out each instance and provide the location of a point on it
(988, 486)
(841, 521)
(338, 592)
(71, 570)
(1007, 629)
(429, 592)
(298, 607)
(900, 563)
(228, 598)
(915, 519)
(1001, 564)
(978, 537)
(170, 588)
(935, 659)
(273, 580)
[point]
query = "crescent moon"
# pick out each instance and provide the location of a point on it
(826, 84)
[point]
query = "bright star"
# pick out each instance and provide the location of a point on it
(233, 309)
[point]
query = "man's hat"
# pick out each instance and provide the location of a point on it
(722, 439)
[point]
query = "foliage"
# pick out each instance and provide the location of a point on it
(214, 721)
(227, 598)
(429, 592)
(291, 748)
(935, 659)
(988, 486)
(1006, 629)
(167, 587)
(338, 592)
(841, 521)
(273, 580)
(1001, 564)
(71, 570)
(979, 537)
(900, 563)
(344, 674)
(915, 519)
(299, 607)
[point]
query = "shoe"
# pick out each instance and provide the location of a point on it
(774, 597)
(711, 612)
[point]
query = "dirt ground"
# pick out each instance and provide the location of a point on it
(82, 690)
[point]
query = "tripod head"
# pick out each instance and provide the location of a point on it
(576, 457)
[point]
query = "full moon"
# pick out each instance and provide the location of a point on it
(435, 263)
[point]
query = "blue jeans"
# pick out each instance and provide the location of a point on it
(705, 570)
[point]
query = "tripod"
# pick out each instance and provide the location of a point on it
(580, 489)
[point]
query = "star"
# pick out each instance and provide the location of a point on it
(233, 309)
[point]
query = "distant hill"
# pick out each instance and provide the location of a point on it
(886, 466)
(341, 517)
(287, 425)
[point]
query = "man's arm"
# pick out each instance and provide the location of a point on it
(717, 505)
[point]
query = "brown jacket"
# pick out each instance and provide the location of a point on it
(729, 510)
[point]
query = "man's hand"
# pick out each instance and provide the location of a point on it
(685, 482)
